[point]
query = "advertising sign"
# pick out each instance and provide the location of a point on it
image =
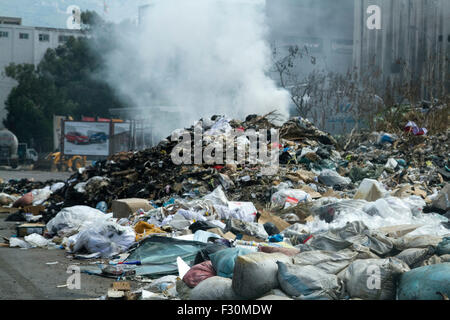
(86, 138)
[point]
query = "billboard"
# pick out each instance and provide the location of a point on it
(86, 138)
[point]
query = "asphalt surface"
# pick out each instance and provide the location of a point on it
(7, 175)
(25, 274)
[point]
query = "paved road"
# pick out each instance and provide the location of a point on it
(36, 175)
(25, 275)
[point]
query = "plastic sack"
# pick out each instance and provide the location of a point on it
(425, 283)
(332, 178)
(57, 186)
(223, 261)
(414, 256)
(41, 195)
(327, 261)
(191, 215)
(443, 247)
(370, 190)
(214, 288)
(290, 197)
(25, 200)
(6, 199)
(352, 234)
(286, 251)
(244, 211)
(15, 242)
(217, 197)
(408, 242)
(205, 236)
(374, 279)
(255, 274)
(108, 238)
(73, 219)
(36, 240)
(203, 254)
(253, 229)
(304, 281)
(198, 273)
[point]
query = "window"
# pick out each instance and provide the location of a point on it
(63, 38)
(44, 37)
(3, 34)
(24, 36)
(441, 38)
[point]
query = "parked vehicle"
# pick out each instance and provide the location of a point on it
(76, 138)
(98, 137)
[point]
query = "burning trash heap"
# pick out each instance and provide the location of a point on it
(364, 217)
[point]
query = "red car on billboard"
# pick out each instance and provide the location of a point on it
(77, 138)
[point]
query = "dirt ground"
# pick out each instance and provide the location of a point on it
(7, 175)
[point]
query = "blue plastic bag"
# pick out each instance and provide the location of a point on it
(223, 261)
(424, 283)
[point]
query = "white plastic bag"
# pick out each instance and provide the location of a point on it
(290, 197)
(36, 240)
(370, 190)
(15, 242)
(108, 238)
(41, 195)
(72, 219)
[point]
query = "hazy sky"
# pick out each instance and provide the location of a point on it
(53, 13)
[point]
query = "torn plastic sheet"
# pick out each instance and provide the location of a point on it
(389, 211)
(158, 255)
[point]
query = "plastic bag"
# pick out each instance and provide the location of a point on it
(412, 257)
(425, 283)
(327, 261)
(252, 229)
(374, 279)
(370, 190)
(298, 281)
(15, 242)
(73, 219)
(214, 288)
(198, 273)
(290, 197)
(443, 247)
(57, 186)
(36, 240)
(255, 274)
(223, 261)
(108, 238)
(332, 178)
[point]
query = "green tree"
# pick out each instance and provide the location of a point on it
(67, 81)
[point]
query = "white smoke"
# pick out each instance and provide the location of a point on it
(203, 57)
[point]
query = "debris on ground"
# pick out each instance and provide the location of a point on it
(328, 220)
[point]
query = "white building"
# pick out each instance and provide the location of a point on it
(21, 44)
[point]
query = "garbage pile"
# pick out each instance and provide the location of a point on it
(362, 220)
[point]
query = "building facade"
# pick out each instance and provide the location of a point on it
(22, 44)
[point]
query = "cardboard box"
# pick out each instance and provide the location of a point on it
(35, 210)
(123, 208)
(30, 228)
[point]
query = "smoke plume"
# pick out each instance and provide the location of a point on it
(199, 57)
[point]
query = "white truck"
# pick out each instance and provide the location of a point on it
(12, 153)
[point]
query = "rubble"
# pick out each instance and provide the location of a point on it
(230, 232)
